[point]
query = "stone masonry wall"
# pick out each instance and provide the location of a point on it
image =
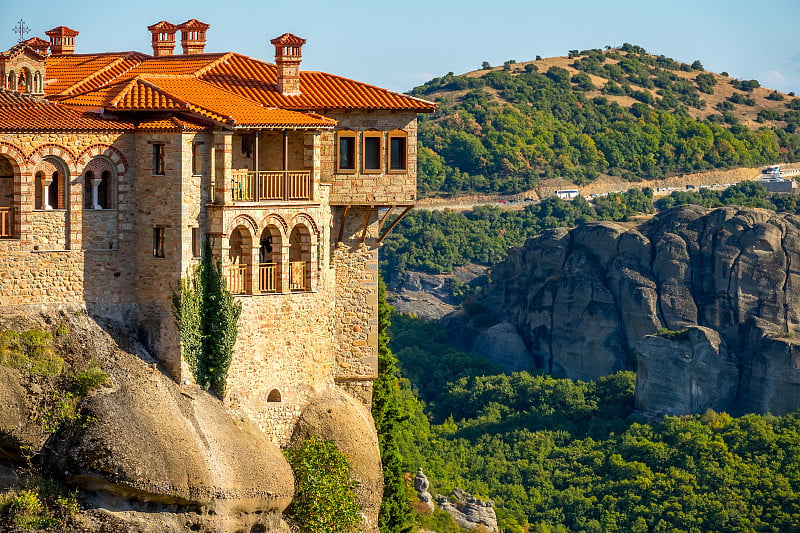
(371, 188)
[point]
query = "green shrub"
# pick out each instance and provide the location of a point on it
(30, 350)
(325, 500)
(89, 379)
(673, 334)
(37, 504)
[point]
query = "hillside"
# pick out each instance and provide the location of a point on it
(596, 113)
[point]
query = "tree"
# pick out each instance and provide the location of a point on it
(485, 65)
(207, 315)
(387, 411)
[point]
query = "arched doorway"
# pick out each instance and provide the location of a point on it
(300, 259)
(7, 197)
(238, 269)
(269, 260)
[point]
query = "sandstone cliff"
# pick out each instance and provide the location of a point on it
(586, 302)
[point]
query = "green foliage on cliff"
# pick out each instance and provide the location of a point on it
(30, 350)
(206, 314)
(504, 130)
(388, 412)
(562, 455)
(37, 504)
(325, 500)
(437, 241)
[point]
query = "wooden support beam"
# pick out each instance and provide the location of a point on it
(384, 217)
(393, 224)
(341, 227)
(366, 224)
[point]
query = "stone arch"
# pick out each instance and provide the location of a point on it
(9, 195)
(24, 80)
(112, 154)
(308, 221)
(55, 150)
(243, 220)
(239, 258)
(274, 396)
(277, 221)
(99, 183)
(15, 154)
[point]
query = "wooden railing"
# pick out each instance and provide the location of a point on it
(6, 222)
(270, 185)
(297, 276)
(237, 279)
(268, 277)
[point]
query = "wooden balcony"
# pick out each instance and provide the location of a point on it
(6, 222)
(270, 185)
(297, 276)
(237, 279)
(268, 277)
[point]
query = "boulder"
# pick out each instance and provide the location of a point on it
(469, 512)
(503, 345)
(336, 416)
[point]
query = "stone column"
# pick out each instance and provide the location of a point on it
(96, 193)
(46, 181)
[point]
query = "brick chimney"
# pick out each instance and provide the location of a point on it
(62, 41)
(163, 38)
(288, 53)
(193, 36)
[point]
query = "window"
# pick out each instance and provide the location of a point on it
(196, 242)
(158, 242)
(88, 199)
(398, 151)
(372, 151)
(346, 160)
(158, 159)
(197, 162)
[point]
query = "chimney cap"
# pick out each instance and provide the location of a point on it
(194, 24)
(163, 26)
(62, 31)
(289, 39)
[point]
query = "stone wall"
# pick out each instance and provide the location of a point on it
(375, 187)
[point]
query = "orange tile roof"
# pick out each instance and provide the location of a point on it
(256, 80)
(190, 94)
(250, 78)
(172, 123)
(20, 112)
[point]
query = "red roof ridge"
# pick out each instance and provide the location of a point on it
(103, 70)
(422, 100)
(222, 59)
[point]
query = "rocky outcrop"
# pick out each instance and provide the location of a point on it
(421, 485)
(151, 456)
(582, 300)
(337, 416)
(469, 512)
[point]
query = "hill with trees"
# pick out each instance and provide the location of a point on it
(618, 112)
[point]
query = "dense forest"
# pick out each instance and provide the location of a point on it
(621, 112)
(558, 455)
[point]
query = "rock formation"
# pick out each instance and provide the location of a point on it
(421, 485)
(469, 512)
(582, 300)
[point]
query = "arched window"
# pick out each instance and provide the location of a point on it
(51, 184)
(238, 269)
(274, 396)
(6, 197)
(269, 260)
(88, 200)
(98, 184)
(300, 259)
(11, 82)
(22, 81)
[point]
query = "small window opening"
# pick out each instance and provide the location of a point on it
(158, 242)
(274, 396)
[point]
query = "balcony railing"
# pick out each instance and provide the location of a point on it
(237, 277)
(270, 185)
(268, 277)
(297, 276)
(6, 219)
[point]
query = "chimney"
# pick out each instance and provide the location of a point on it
(193, 36)
(163, 38)
(62, 41)
(288, 53)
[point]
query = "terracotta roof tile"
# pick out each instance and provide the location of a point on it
(64, 72)
(172, 123)
(26, 113)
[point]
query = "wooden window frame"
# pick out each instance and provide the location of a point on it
(197, 158)
(159, 159)
(371, 134)
(350, 134)
(159, 249)
(396, 134)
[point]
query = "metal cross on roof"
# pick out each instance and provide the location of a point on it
(21, 29)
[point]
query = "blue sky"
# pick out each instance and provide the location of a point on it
(402, 43)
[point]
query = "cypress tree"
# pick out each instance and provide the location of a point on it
(395, 514)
